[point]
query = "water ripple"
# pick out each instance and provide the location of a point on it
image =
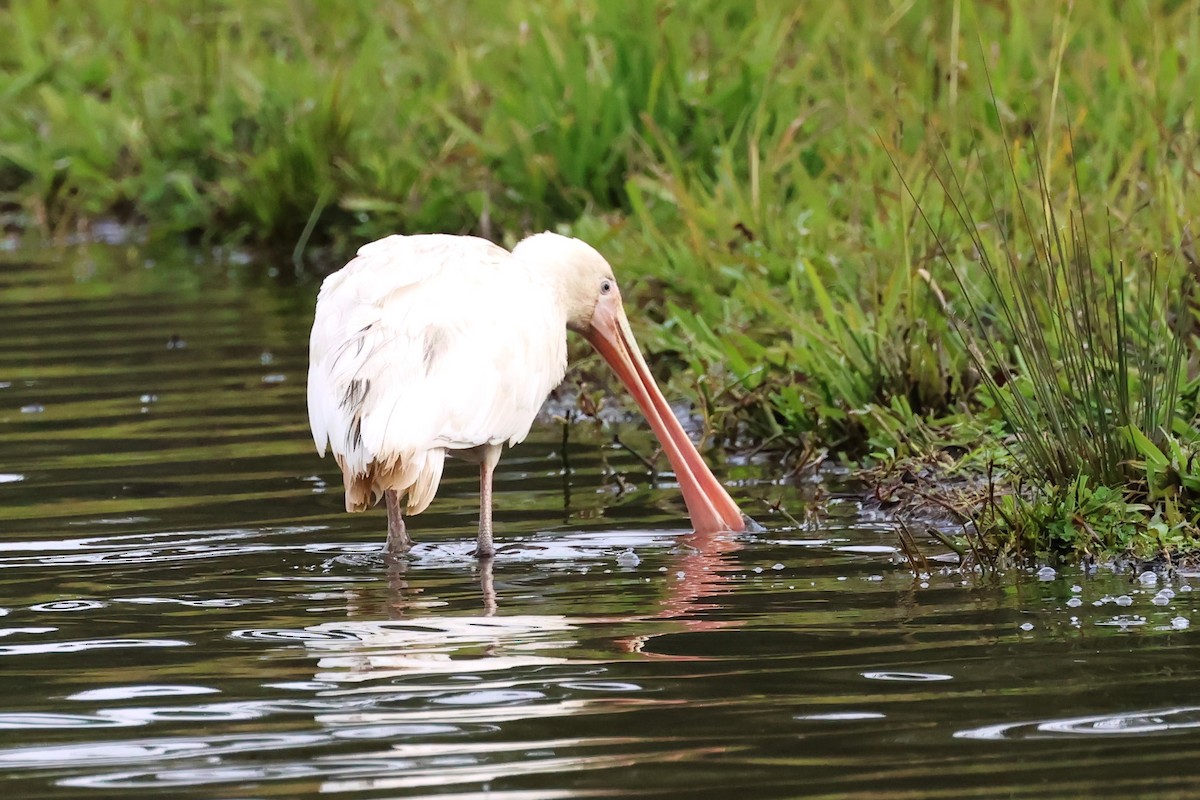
(139, 716)
(79, 646)
(33, 631)
(39, 721)
(68, 605)
(1132, 723)
(291, 635)
(400, 767)
(868, 549)
(148, 548)
(92, 753)
(492, 698)
(215, 602)
(601, 686)
(916, 677)
(133, 692)
(840, 716)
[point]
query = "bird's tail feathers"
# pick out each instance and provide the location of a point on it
(417, 474)
(360, 494)
(425, 486)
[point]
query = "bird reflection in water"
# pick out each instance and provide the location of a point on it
(414, 636)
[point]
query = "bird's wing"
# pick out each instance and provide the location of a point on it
(429, 342)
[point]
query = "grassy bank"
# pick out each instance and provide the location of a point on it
(742, 164)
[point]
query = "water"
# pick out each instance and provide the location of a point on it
(185, 608)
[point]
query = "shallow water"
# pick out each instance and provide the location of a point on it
(185, 608)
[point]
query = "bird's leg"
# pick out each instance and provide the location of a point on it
(397, 539)
(487, 463)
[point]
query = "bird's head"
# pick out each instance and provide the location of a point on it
(582, 280)
(587, 292)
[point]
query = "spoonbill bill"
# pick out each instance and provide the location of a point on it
(434, 345)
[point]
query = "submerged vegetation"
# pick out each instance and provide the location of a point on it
(917, 236)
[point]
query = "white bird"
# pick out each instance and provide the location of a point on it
(431, 346)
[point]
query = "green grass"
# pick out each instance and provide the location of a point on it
(742, 164)
(1082, 356)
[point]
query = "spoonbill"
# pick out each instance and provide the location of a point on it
(434, 345)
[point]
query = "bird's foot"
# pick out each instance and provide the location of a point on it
(397, 547)
(483, 544)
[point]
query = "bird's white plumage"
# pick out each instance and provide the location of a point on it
(424, 346)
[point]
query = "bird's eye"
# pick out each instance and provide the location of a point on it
(606, 286)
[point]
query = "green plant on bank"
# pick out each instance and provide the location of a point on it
(1083, 354)
(724, 154)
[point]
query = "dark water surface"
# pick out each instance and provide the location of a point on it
(186, 611)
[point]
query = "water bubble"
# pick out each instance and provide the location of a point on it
(273, 378)
(1026, 626)
(1074, 602)
(1185, 588)
(1124, 600)
(1046, 574)
(1148, 578)
(33, 408)
(1160, 599)
(1077, 588)
(1167, 592)
(777, 566)
(628, 559)
(1180, 623)
(148, 398)
(758, 569)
